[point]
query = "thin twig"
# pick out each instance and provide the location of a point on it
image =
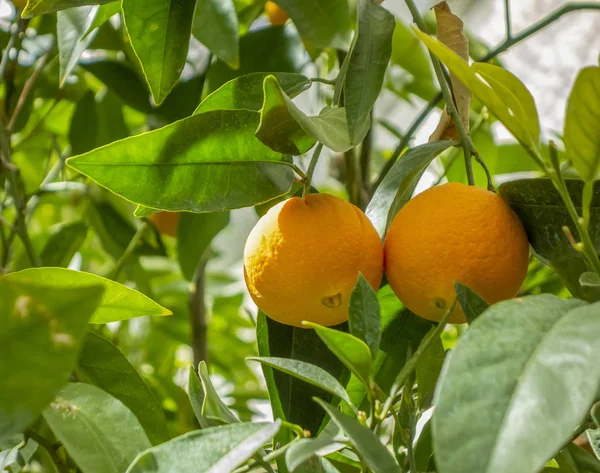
(129, 250)
(507, 19)
(311, 168)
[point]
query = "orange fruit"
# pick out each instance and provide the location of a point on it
(165, 222)
(302, 259)
(277, 16)
(449, 233)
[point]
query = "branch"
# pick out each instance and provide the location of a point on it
(507, 19)
(129, 250)
(197, 307)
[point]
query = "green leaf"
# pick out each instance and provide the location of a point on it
(41, 327)
(408, 52)
(71, 28)
(160, 36)
(305, 449)
(589, 279)
(366, 443)
(278, 129)
(325, 24)
(216, 26)
(101, 363)
(582, 122)
(82, 132)
(364, 315)
(40, 7)
(495, 95)
(471, 303)
(105, 13)
(215, 450)
(307, 372)
(400, 183)
(195, 232)
(205, 163)
(213, 408)
(369, 60)
(507, 366)
(273, 49)
(543, 213)
(428, 369)
(63, 243)
(594, 438)
(291, 398)
(118, 302)
(99, 433)
(351, 351)
(246, 92)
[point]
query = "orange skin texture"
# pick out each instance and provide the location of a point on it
(302, 259)
(277, 16)
(165, 222)
(449, 233)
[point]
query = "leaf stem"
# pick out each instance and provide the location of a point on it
(503, 46)
(323, 81)
(411, 364)
(311, 169)
(129, 250)
(197, 307)
(467, 143)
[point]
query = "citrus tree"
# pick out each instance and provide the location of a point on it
(146, 321)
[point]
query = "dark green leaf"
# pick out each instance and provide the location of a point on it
(400, 183)
(427, 371)
(213, 408)
(272, 49)
(215, 450)
(471, 303)
(195, 232)
(291, 399)
(71, 27)
(205, 163)
(84, 122)
(408, 52)
(97, 430)
(246, 92)
(63, 243)
(41, 327)
(367, 444)
(39, 7)
(105, 13)
(101, 363)
(582, 122)
(216, 26)
(369, 60)
(160, 35)
(278, 129)
(119, 302)
(351, 351)
(364, 315)
(306, 372)
(543, 213)
(506, 365)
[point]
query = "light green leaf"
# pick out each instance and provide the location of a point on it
(118, 303)
(63, 243)
(582, 122)
(41, 327)
(99, 433)
(306, 372)
(367, 444)
(213, 407)
(71, 28)
(105, 13)
(216, 26)
(205, 163)
(409, 53)
(278, 129)
(527, 364)
(303, 450)
(351, 351)
(497, 99)
(101, 363)
(325, 24)
(195, 232)
(160, 31)
(369, 60)
(400, 183)
(471, 303)
(40, 7)
(364, 315)
(589, 279)
(215, 450)
(246, 92)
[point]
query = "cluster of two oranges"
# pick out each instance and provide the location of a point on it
(302, 259)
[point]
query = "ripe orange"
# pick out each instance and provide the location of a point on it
(277, 16)
(302, 259)
(454, 233)
(165, 222)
